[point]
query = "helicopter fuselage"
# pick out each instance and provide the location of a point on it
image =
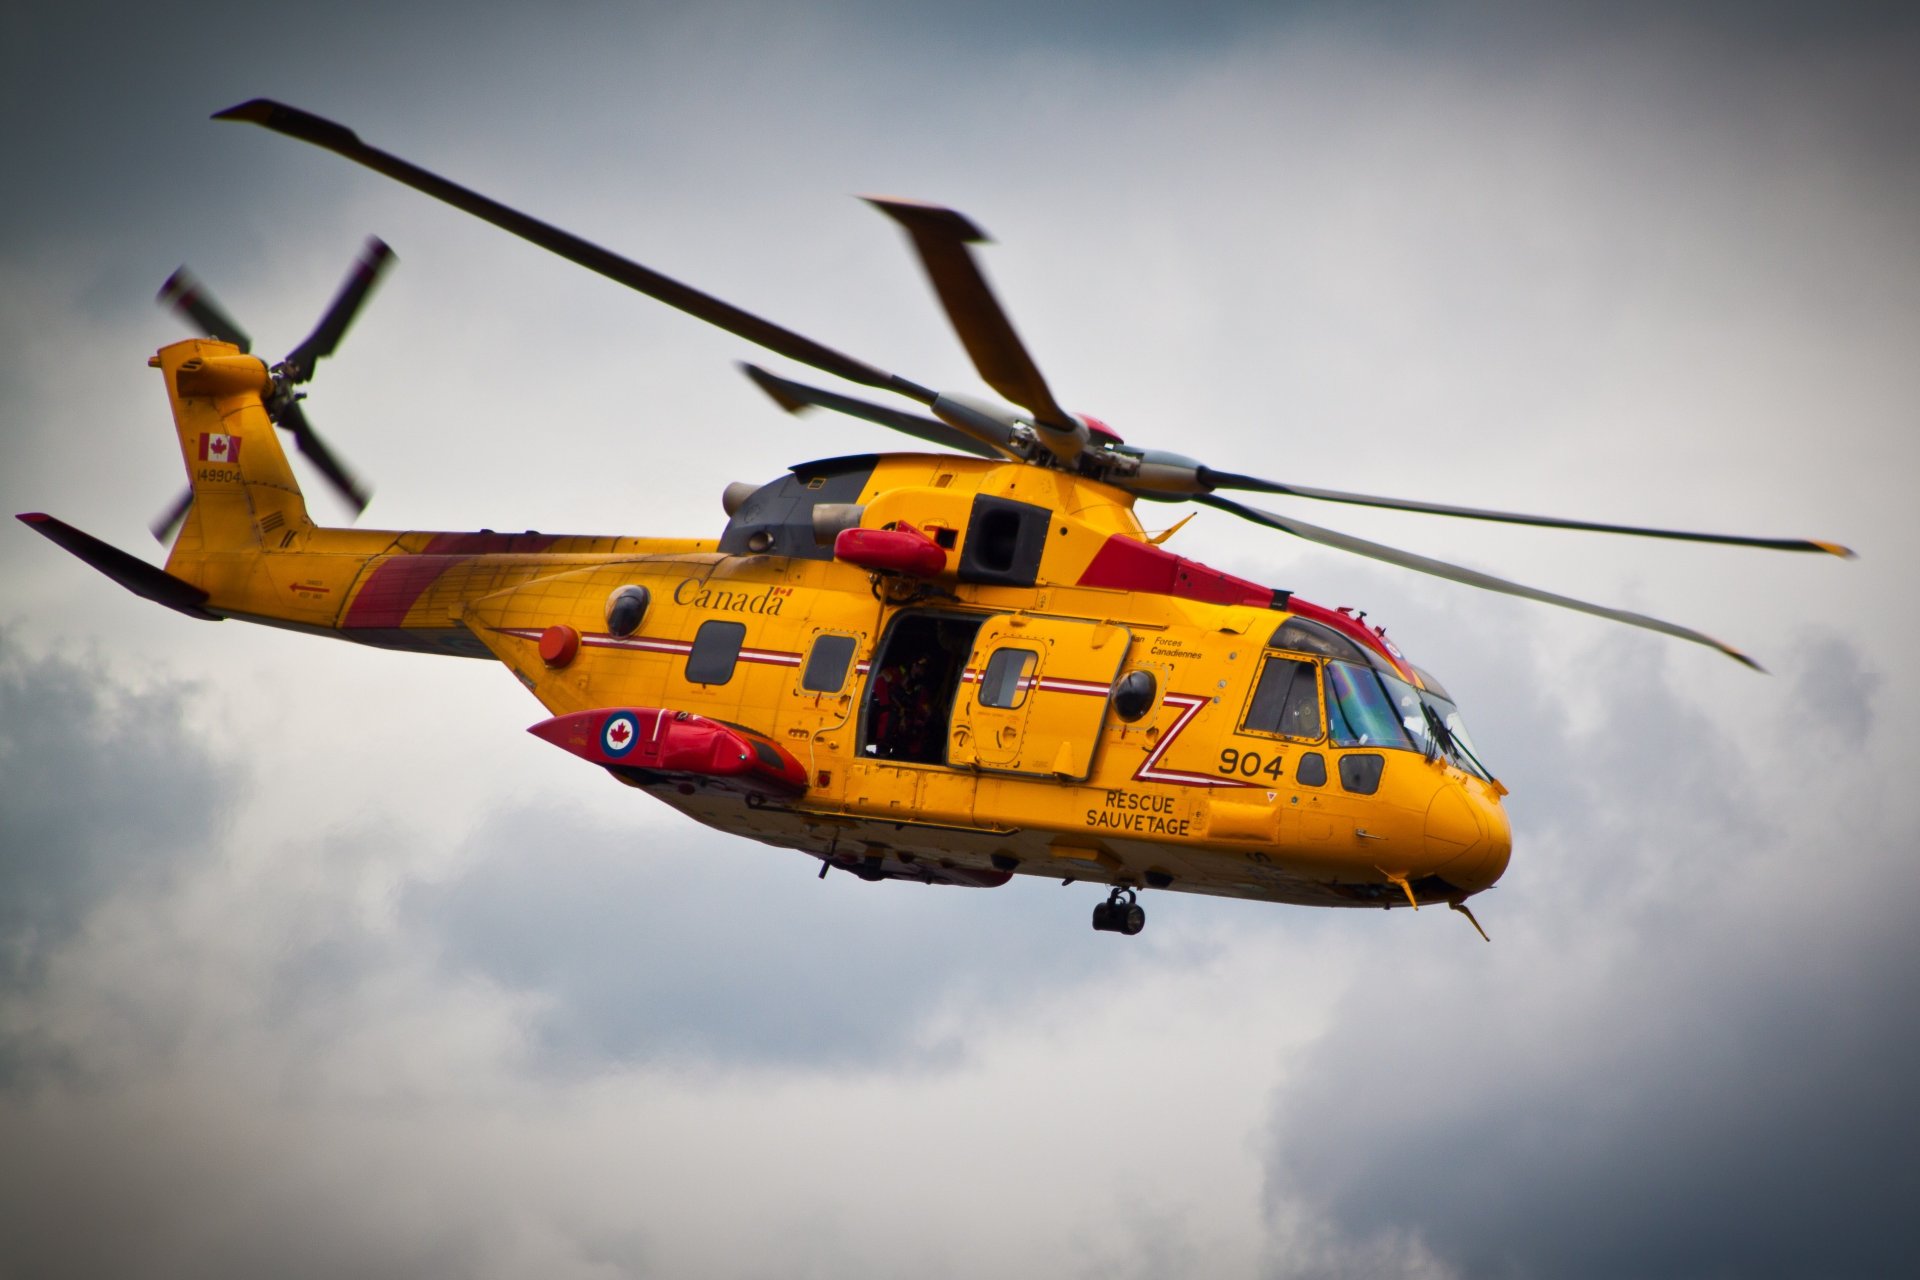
(948, 667)
(1058, 697)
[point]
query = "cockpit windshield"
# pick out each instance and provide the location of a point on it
(1369, 708)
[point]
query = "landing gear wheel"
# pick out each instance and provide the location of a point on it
(1120, 914)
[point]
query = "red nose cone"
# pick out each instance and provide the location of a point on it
(1099, 430)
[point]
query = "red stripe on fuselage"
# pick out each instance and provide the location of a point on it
(396, 584)
(1125, 564)
(640, 644)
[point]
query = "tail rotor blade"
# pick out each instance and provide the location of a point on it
(189, 298)
(375, 257)
(310, 444)
(168, 522)
(1455, 573)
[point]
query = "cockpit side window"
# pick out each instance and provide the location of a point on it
(1359, 711)
(1367, 708)
(1286, 701)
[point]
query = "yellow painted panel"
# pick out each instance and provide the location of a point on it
(1060, 697)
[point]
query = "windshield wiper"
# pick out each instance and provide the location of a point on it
(1437, 731)
(1456, 749)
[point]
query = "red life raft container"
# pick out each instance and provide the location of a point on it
(678, 744)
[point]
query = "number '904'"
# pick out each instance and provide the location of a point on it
(1249, 764)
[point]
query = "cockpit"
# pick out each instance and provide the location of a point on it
(1370, 705)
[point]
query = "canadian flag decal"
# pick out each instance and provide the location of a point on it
(215, 447)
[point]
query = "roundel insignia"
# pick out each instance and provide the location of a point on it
(619, 734)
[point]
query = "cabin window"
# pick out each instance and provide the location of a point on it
(716, 648)
(827, 664)
(1286, 701)
(1312, 770)
(1361, 774)
(1009, 675)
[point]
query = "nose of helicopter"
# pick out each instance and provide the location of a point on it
(1465, 820)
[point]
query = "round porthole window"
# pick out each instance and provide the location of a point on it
(625, 608)
(1133, 695)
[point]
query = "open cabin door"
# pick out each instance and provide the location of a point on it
(1035, 695)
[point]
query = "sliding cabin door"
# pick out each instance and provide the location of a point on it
(1035, 695)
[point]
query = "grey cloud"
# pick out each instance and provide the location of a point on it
(1705, 1078)
(103, 788)
(685, 944)
(1697, 989)
(1642, 1122)
(169, 1182)
(170, 1022)
(1836, 692)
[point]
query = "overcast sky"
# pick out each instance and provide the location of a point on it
(312, 962)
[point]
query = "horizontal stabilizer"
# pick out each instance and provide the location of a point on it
(131, 572)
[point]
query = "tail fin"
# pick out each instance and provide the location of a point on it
(245, 497)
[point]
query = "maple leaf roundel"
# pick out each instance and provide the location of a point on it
(618, 737)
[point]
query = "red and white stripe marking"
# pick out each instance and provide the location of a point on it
(1047, 684)
(642, 644)
(1149, 770)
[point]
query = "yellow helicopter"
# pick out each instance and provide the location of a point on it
(949, 667)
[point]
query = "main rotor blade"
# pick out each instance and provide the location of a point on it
(1454, 572)
(187, 296)
(309, 443)
(168, 522)
(1229, 480)
(375, 257)
(796, 397)
(941, 236)
(307, 127)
